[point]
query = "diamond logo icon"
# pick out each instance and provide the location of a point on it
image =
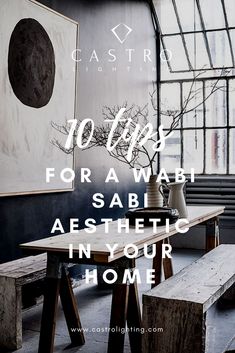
(121, 32)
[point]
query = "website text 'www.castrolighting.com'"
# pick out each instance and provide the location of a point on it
(116, 329)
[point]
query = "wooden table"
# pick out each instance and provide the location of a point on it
(125, 303)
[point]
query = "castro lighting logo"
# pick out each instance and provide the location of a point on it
(108, 58)
(121, 32)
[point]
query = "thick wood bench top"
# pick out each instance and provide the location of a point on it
(26, 267)
(202, 282)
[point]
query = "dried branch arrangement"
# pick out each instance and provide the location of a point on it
(141, 155)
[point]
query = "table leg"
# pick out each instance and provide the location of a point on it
(69, 305)
(212, 234)
(217, 234)
(125, 310)
(167, 263)
(51, 294)
(134, 321)
(157, 264)
(118, 318)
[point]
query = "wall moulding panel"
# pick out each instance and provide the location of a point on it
(37, 86)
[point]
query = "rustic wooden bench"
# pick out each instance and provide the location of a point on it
(14, 275)
(179, 304)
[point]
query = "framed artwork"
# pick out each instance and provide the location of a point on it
(37, 86)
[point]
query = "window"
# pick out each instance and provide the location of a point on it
(205, 139)
(201, 37)
(199, 33)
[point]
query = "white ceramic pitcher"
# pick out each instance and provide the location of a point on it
(176, 197)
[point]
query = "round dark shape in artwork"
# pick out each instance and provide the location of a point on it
(31, 63)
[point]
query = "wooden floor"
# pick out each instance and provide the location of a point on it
(94, 307)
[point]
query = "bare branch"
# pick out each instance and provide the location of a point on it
(135, 119)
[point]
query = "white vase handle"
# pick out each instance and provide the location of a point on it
(161, 187)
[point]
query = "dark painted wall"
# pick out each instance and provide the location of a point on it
(25, 218)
